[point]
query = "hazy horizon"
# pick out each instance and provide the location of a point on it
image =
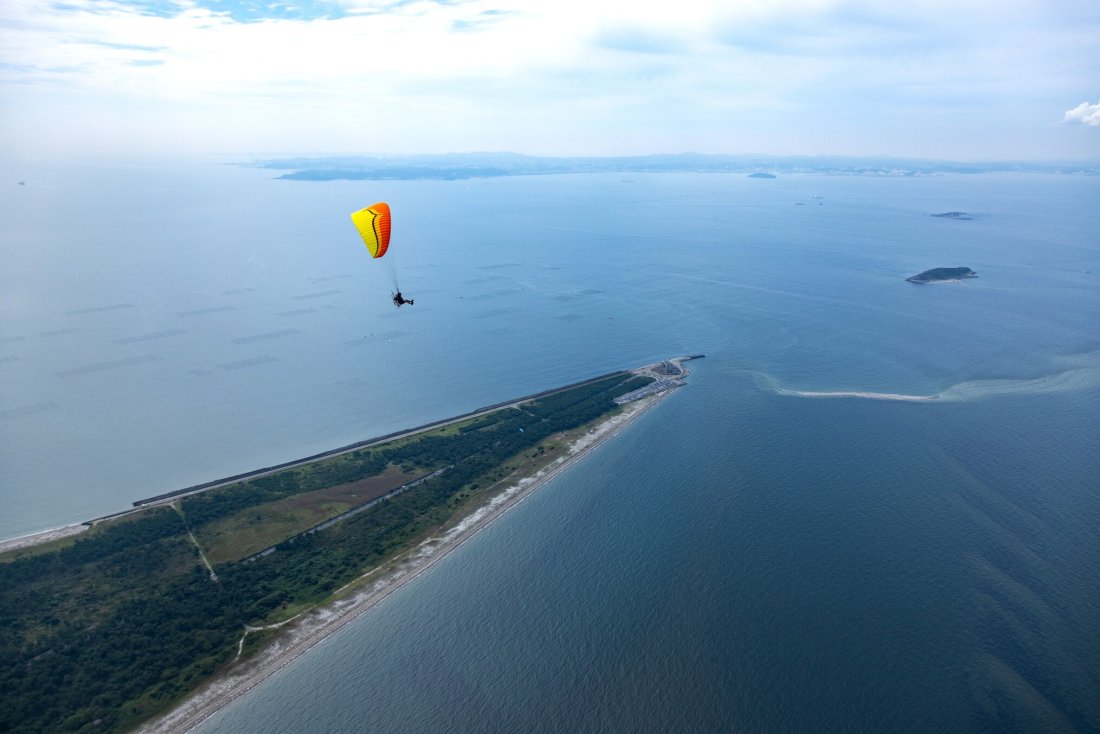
(29, 166)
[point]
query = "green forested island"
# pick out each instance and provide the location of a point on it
(106, 629)
(935, 274)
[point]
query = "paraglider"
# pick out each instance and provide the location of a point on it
(373, 224)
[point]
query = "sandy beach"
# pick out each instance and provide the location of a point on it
(45, 536)
(313, 627)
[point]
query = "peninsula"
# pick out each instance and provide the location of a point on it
(940, 274)
(158, 616)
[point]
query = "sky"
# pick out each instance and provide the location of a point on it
(965, 80)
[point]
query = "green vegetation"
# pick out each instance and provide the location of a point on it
(114, 627)
(258, 527)
(929, 276)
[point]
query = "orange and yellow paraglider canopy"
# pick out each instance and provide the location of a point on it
(373, 224)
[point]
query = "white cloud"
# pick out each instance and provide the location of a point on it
(541, 76)
(1085, 113)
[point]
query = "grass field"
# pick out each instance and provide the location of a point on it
(261, 526)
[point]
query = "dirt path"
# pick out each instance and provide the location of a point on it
(194, 541)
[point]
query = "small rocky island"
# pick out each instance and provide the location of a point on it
(761, 174)
(952, 215)
(938, 274)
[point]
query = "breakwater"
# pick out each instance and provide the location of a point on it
(353, 446)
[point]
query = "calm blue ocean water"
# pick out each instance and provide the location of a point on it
(739, 559)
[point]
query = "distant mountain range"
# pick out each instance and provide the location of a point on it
(456, 166)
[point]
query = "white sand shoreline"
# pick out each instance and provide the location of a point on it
(317, 625)
(42, 536)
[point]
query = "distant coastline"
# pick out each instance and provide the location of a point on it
(462, 166)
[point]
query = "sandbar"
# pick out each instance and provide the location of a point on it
(865, 395)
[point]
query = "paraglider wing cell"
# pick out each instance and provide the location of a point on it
(373, 224)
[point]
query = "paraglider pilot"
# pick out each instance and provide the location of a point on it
(399, 300)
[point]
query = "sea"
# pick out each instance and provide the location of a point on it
(793, 541)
